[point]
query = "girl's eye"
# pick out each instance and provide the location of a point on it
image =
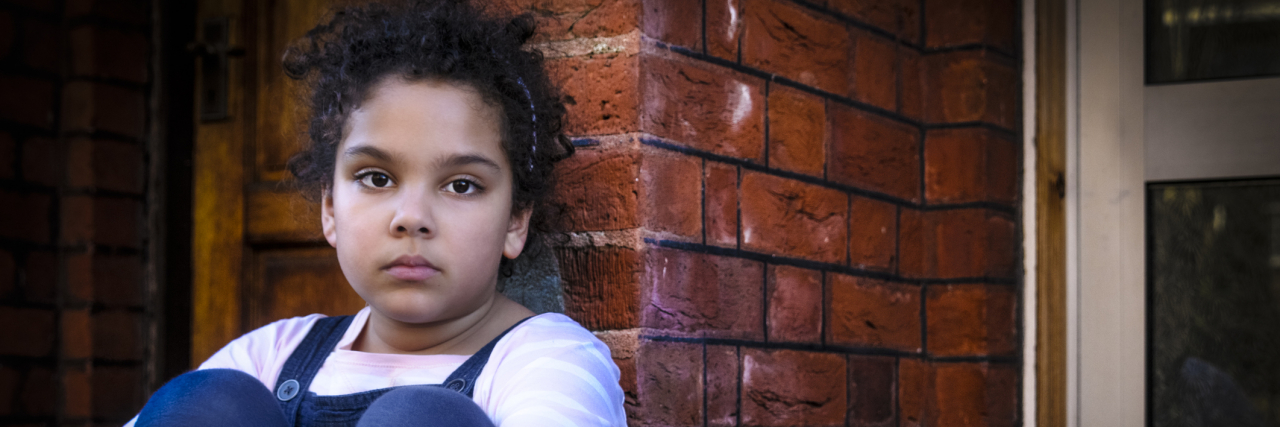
(375, 179)
(462, 186)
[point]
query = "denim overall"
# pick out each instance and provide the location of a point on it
(305, 408)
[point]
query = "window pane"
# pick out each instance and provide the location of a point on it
(1214, 303)
(1211, 39)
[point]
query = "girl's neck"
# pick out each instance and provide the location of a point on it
(463, 335)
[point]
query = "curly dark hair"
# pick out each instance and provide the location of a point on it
(341, 60)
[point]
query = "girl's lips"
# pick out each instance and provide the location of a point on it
(411, 268)
(410, 273)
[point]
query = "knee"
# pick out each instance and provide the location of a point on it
(203, 393)
(410, 405)
(211, 386)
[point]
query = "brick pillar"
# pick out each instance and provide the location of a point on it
(791, 212)
(73, 133)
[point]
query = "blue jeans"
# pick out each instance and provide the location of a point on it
(227, 397)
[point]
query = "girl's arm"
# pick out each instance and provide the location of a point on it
(551, 372)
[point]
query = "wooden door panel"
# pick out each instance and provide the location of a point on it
(281, 118)
(291, 282)
(278, 214)
(257, 250)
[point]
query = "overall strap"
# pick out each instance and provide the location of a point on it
(463, 379)
(301, 367)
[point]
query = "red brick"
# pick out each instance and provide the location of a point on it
(913, 84)
(957, 243)
(124, 11)
(80, 277)
(117, 392)
(116, 221)
(109, 53)
(709, 109)
(724, 28)
(622, 348)
(561, 20)
(26, 216)
(970, 394)
(41, 163)
(721, 183)
(792, 218)
(672, 198)
(972, 86)
(795, 304)
(8, 155)
(117, 335)
(42, 45)
(971, 320)
(961, 22)
(671, 390)
(77, 389)
(34, 101)
(8, 275)
(723, 383)
(788, 387)
(874, 153)
(598, 189)
(102, 220)
(677, 23)
(900, 17)
(875, 71)
(600, 286)
(77, 334)
(90, 106)
(10, 386)
(601, 93)
(39, 393)
(873, 234)
(797, 122)
(696, 294)
(873, 313)
(40, 277)
(872, 391)
(969, 165)
(117, 280)
(36, 336)
(783, 38)
(915, 384)
(6, 36)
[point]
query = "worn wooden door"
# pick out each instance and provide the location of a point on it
(257, 251)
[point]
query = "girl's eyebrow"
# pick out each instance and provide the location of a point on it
(368, 151)
(457, 160)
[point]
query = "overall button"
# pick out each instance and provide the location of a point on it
(456, 385)
(288, 390)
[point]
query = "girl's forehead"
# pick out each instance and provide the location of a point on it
(424, 117)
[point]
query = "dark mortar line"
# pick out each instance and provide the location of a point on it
(1006, 133)
(823, 266)
(108, 81)
(705, 386)
(924, 318)
(836, 349)
(747, 164)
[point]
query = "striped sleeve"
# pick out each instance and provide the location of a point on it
(551, 372)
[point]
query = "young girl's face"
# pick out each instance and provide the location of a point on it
(420, 208)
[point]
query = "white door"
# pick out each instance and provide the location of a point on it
(1125, 137)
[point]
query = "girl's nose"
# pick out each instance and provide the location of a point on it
(413, 218)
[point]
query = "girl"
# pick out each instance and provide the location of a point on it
(432, 139)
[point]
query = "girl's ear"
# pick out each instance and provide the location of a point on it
(327, 223)
(517, 233)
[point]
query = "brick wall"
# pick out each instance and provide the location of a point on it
(74, 77)
(791, 212)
